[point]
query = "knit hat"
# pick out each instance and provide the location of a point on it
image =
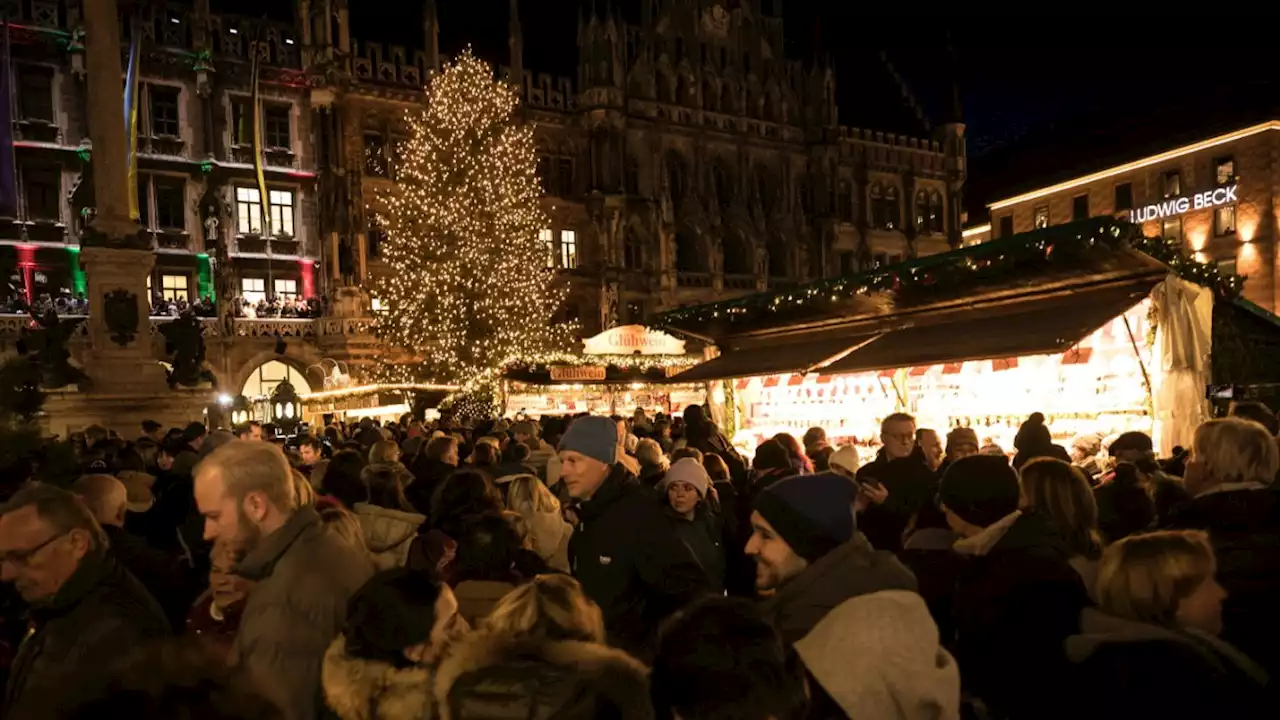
(593, 436)
(1131, 441)
(812, 513)
(980, 489)
(962, 436)
(846, 457)
(686, 470)
(1032, 434)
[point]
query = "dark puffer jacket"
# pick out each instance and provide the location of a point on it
(101, 612)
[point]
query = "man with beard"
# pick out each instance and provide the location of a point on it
(85, 608)
(305, 575)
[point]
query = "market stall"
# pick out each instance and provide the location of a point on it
(617, 371)
(382, 402)
(1075, 322)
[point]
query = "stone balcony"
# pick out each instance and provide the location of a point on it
(11, 326)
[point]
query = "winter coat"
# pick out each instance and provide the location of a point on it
(99, 614)
(1126, 669)
(630, 561)
(540, 453)
(910, 484)
(851, 570)
(929, 554)
(427, 476)
(494, 676)
(704, 536)
(388, 533)
(477, 598)
(550, 535)
(305, 576)
(216, 626)
(877, 656)
(1243, 521)
(359, 689)
(1016, 601)
(166, 577)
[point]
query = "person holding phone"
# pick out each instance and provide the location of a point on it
(897, 483)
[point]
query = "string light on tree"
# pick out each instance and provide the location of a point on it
(469, 289)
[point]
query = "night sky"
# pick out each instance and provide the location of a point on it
(1044, 93)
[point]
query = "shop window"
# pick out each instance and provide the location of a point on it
(1171, 184)
(1227, 267)
(844, 201)
(545, 237)
(1225, 170)
(275, 126)
(42, 189)
(1042, 217)
(281, 212)
(253, 290)
(1123, 196)
(174, 287)
(1224, 220)
(170, 199)
(568, 249)
(1080, 207)
(248, 211)
(164, 110)
(286, 289)
(1171, 230)
(937, 223)
(35, 92)
(1006, 226)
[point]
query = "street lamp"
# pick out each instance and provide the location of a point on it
(285, 407)
(240, 409)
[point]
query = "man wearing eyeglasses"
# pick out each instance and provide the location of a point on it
(904, 475)
(86, 610)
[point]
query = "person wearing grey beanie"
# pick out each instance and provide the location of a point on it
(684, 494)
(627, 556)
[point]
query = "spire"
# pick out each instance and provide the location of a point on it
(957, 107)
(515, 42)
(431, 25)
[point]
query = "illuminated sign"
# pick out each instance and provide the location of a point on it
(1186, 203)
(562, 373)
(632, 340)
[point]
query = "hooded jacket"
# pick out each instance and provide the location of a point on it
(388, 533)
(495, 676)
(1127, 669)
(851, 570)
(359, 689)
(550, 535)
(878, 656)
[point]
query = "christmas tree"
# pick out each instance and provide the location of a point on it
(470, 289)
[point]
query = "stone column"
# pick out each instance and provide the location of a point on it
(115, 259)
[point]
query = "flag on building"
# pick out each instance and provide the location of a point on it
(263, 207)
(131, 120)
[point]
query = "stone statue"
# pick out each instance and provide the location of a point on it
(762, 263)
(609, 307)
(47, 345)
(184, 341)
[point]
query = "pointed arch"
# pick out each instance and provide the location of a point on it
(690, 257)
(922, 212)
(739, 254)
(892, 211)
(937, 222)
(723, 184)
(677, 177)
(844, 201)
(875, 195)
(633, 247)
(710, 94)
(779, 257)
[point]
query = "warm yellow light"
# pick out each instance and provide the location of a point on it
(975, 230)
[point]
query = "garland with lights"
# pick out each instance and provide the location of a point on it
(1057, 247)
(469, 288)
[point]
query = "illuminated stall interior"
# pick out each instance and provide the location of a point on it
(383, 402)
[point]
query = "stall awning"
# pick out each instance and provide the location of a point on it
(1031, 327)
(799, 357)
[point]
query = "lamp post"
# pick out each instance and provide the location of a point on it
(285, 407)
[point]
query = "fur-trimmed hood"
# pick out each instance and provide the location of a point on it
(497, 676)
(388, 533)
(359, 689)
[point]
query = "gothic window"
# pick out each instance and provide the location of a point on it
(276, 129)
(631, 175)
(689, 255)
(844, 201)
(564, 176)
(936, 223)
(675, 178)
(778, 266)
(737, 255)
(764, 190)
(922, 212)
(42, 188)
(35, 92)
(727, 104)
(805, 200)
(375, 237)
(545, 173)
(710, 97)
(375, 156)
(682, 91)
(877, 205)
(164, 110)
(633, 250)
(723, 187)
(892, 213)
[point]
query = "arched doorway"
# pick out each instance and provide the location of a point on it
(262, 381)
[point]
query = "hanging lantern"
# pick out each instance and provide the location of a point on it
(284, 407)
(240, 410)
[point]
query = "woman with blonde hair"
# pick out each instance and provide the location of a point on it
(1150, 648)
(384, 452)
(1061, 491)
(548, 534)
(542, 653)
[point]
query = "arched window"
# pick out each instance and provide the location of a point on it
(710, 97)
(844, 201)
(727, 104)
(936, 223)
(892, 212)
(922, 212)
(675, 179)
(805, 200)
(723, 187)
(779, 267)
(689, 255)
(682, 90)
(262, 381)
(764, 190)
(737, 255)
(631, 174)
(633, 250)
(876, 193)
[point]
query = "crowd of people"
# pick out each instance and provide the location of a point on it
(596, 567)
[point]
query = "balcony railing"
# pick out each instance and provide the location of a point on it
(740, 282)
(693, 279)
(12, 324)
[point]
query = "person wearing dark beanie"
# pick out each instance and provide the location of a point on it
(809, 555)
(1018, 598)
(1034, 441)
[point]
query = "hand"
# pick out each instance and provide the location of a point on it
(869, 494)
